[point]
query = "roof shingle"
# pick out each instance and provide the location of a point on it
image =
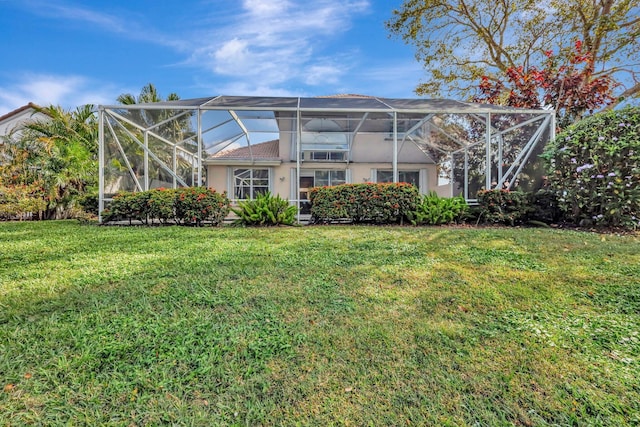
(268, 150)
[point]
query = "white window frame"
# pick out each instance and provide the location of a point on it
(423, 185)
(231, 188)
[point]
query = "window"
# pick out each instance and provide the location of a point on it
(328, 155)
(329, 177)
(248, 183)
(411, 177)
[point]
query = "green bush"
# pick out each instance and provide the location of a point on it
(188, 206)
(17, 201)
(434, 210)
(265, 209)
(594, 167)
(195, 205)
(544, 207)
(368, 202)
(503, 206)
(161, 204)
(89, 202)
(127, 206)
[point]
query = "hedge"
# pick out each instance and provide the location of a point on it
(186, 206)
(386, 203)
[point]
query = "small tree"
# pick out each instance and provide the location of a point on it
(566, 83)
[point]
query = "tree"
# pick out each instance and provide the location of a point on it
(459, 41)
(569, 88)
(57, 155)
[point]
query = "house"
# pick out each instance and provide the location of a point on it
(326, 159)
(12, 122)
(288, 145)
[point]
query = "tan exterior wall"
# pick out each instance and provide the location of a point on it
(379, 149)
(217, 175)
(369, 152)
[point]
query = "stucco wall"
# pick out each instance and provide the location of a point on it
(217, 175)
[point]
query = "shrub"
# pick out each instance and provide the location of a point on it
(160, 204)
(189, 206)
(368, 202)
(20, 201)
(503, 206)
(194, 205)
(434, 210)
(265, 209)
(89, 202)
(594, 167)
(544, 207)
(127, 207)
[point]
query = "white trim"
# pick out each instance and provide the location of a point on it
(293, 186)
(423, 181)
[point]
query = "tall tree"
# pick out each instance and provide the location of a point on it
(459, 41)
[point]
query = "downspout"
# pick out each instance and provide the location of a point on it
(488, 153)
(395, 146)
(199, 158)
(100, 162)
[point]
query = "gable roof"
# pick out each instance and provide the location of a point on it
(14, 121)
(268, 150)
(18, 111)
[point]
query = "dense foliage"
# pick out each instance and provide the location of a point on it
(21, 201)
(265, 209)
(435, 210)
(187, 206)
(368, 202)
(503, 206)
(594, 166)
(57, 155)
(569, 84)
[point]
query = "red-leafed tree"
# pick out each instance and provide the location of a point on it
(566, 83)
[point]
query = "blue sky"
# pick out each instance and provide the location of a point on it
(70, 52)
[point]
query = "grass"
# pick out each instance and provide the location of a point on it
(317, 326)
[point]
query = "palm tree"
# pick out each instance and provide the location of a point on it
(58, 153)
(158, 122)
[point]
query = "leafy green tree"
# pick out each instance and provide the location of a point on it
(459, 41)
(57, 154)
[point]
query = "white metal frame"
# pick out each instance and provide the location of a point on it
(113, 122)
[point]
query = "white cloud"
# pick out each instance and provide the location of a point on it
(394, 80)
(44, 89)
(266, 8)
(322, 74)
(278, 41)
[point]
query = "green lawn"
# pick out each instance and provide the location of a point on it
(335, 325)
